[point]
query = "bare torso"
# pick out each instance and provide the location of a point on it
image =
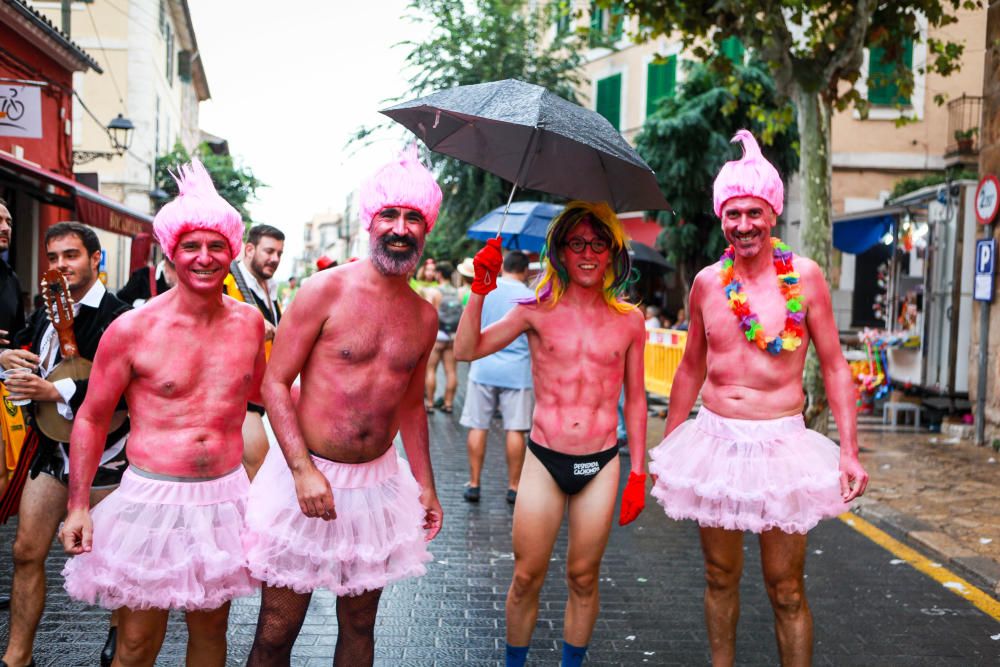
(742, 381)
(578, 364)
(368, 348)
(189, 386)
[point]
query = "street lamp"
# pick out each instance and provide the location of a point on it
(119, 131)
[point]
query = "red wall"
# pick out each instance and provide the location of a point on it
(54, 150)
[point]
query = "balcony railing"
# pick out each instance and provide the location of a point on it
(964, 125)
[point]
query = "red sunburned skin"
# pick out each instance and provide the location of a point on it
(739, 380)
(187, 363)
(360, 340)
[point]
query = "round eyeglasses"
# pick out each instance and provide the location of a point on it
(577, 244)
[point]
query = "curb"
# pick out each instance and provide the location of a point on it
(982, 571)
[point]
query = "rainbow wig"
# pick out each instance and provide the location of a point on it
(555, 278)
(197, 206)
(400, 182)
(750, 176)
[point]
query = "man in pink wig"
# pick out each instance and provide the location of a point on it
(341, 509)
(747, 461)
(187, 363)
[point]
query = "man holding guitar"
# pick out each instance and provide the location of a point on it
(74, 253)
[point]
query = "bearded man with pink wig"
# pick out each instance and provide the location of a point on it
(336, 507)
(170, 537)
(747, 461)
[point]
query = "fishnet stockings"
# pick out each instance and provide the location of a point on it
(282, 611)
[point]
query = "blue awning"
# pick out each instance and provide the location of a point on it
(855, 233)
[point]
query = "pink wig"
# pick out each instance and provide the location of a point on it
(400, 182)
(750, 176)
(197, 206)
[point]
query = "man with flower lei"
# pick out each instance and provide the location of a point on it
(747, 461)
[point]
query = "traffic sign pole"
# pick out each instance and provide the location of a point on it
(987, 205)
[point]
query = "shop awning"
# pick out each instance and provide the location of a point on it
(640, 229)
(855, 233)
(92, 208)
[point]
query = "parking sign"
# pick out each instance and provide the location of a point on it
(986, 252)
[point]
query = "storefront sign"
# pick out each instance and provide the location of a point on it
(986, 254)
(21, 112)
(987, 199)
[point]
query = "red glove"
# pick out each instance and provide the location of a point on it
(487, 267)
(633, 498)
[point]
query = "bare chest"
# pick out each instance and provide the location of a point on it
(180, 363)
(391, 338)
(579, 342)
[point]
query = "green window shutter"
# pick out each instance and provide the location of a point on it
(609, 99)
(733, 49)
(596, 25)
(661, 79)
(616, 27)
(563, 15)
(882, 88)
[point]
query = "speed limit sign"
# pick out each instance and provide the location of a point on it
(987, 199)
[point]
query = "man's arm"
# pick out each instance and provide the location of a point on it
(690, 375)
(635, 394)
(836, 376)
(297, 334)
(472, 342)
(416, 442)
(111, 372)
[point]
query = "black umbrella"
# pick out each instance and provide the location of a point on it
(640, 252)
(534, 139)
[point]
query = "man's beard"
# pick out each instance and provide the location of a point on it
(394, 263)
(261, 269)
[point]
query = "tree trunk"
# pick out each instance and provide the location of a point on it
(815, 174)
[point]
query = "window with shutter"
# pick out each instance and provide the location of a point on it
(609, 99)
(733, 49)
(882, 88)
(661, 79)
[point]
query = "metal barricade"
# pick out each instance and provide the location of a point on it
(664, 349)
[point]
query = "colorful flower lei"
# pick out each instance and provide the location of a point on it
(788, 282)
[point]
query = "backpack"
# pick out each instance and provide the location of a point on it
(449, 311)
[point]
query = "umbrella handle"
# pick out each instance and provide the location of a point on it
(505, 209)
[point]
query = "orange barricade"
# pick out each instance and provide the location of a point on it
(664, 349)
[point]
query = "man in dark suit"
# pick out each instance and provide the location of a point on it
(148, 281)
(75, 251)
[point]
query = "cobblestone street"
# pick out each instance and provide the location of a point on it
(870, 608)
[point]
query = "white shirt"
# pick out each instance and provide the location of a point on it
(272, 288)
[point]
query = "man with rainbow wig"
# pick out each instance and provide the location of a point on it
(585, 342)
(336, 507)
(747, 462)
(170, 536)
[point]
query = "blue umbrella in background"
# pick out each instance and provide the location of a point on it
(525, 226)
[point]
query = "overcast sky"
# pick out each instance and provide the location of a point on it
(290, 83)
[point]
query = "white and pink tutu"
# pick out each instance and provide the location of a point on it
(376, 539)
(165, 543)
(747, 474)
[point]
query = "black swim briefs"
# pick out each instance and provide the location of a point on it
(572, 472)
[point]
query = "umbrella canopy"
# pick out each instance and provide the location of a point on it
(534, 139)
(641, 252)
(527, 222)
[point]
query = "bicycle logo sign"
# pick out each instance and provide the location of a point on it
(20, 111)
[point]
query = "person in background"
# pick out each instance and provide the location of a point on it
(653, 318)
(445, 298)
(681, 323)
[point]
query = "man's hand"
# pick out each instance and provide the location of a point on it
(853, 478)
(487, 264)
(433, 515)
(633, 498)
(77, 532)
(19, 359)
(29, 386)
(4, 340)
(314, 494)
(269, 330)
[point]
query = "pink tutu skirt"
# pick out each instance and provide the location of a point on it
(377, 537)
(165, 544)
(744, 474)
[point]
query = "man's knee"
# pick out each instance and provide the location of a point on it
(582, 582)
(787, 596)
(722, 578)
(526, 583)
(136, 647)
(29, 552)
(209, 627)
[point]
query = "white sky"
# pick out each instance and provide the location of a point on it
(290, 83)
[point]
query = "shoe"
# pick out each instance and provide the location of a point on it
(511, 496)
(429, 408)
(4, 601)
(623, 446)
(108, 652)
(447, 409)
(471, 494)
(439, 403)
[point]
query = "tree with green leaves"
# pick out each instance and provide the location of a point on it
(686, 141)
(815, 52)
(473, 42)
(234, 183)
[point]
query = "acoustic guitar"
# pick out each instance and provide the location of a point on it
(59, 307)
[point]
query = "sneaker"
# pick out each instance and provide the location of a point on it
(471, 494)
(511, 496)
